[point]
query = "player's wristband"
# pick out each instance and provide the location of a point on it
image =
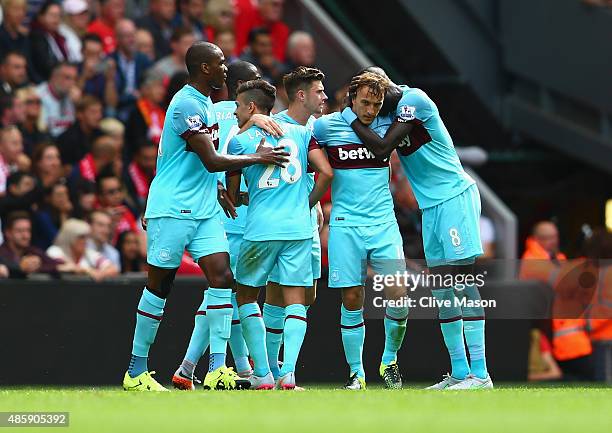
(348, 115)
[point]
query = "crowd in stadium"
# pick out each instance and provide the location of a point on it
(83, 97)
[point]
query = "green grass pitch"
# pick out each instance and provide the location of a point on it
(320, 409)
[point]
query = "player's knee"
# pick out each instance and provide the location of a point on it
(352, 298)
(222, 279)
(164, 287)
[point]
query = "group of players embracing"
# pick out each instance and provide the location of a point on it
(234, 158)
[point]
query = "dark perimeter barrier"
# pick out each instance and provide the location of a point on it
(80, 333)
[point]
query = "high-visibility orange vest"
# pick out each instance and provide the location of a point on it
(570, 338)
(600, 313)
(572, 300)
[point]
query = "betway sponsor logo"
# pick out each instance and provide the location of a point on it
(359, 153)
(353, 156)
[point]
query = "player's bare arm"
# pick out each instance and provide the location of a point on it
(232, 180)
(318, 161)
(216, 162)
(382, 147)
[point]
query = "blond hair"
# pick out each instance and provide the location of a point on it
(111, 126)
(70, 231)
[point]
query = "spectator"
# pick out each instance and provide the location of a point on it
(21, 194)
(542, 261)
(544, 243)
(31, 129)
(147, 120)
(132, 260)
(140, 174)
(159, 23)
(47, 164)
(226, 40)
(13, 72)
(70, 246)
(21, 258)
(220, 16)
(144, 44)
(74, 27)
(12, 157)
(13, 32)
(301, 50)
(182, 38)
(111, 11)
(96, 74)
(111, 198)
(268, 15)
(76, 141)
(84, 199)
(54, 211)
(261, 55)
(131, 66)
(114, 129)
(101, 229)
(57, 97)
(48, 47)
(103, 154)
(189, 15)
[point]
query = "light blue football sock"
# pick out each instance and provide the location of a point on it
(274, 320)
(294, 331)
(219, 312)
(451, 324)
(352, 328)
(238, 346)
(148, 316)
(200, 336)
(395, 329)
(474, 331)
(254, 332)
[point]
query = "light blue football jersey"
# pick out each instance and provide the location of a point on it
(360, 189)
(183, 187)
(284, 117)
(434, 171)
(278, 198)
(228, 128)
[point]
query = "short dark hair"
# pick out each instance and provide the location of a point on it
(239, 70)
(16, 177)
(301, 78)
(85, 102)
(15, 216)
(11, 53)
(91, 37)
(257, 31)
(180, 32)
(260, 92)
(103, 177)
(62, 65)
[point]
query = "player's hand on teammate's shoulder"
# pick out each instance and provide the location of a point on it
(268, 124)
(272, 155)
(226, 202)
